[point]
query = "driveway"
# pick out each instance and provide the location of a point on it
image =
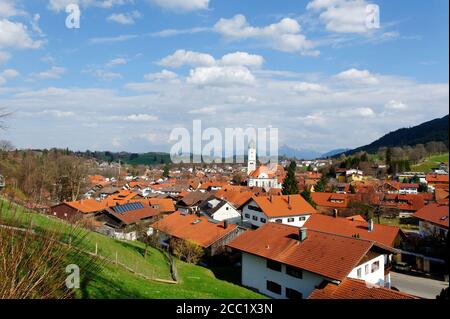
(417, 286)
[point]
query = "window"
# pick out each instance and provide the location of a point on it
(375, 266)
(294, 272)
(293, 294)
(290, 220)
(366, 269)
(359, 272)
(263, 220)
(247, 215)
(273, 287)
(255, 208)
(255, 217)
(273, 265)
(302, 219)
(279, 221)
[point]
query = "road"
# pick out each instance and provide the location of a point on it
(417, 286)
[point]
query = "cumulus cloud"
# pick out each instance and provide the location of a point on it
(8, 8)
(107, 75)
(396, 105)
(220, 76)
(308, 87)
(124, 18)
(195, 59)
(364, 112)
(53, 73)
(357, 76)
(135, 117)
(284, 36)
(159, 76)
(204, 110)
(115, 62)
(10, 73)
(342, 16)
(182, 5)
(4, 57)
(16, 35)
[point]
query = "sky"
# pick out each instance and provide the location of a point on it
(136, 69)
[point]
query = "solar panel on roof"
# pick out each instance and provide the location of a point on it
(127, 207)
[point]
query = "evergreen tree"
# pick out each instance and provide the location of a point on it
(166, 171)
(306, 194)
(321, 186)
(352, 189)
(290, 182)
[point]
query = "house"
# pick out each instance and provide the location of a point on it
(164, 205)
(120, 222)
(405, 205)
(433, 220)
(211, 235)
(400, 188)
(351, 288)
(219, 209)
(189, 203)
(284, 209)
(122, 197)
(235, 195)
(283, 261)
(354, 175)
(85, 208)
(437, 181)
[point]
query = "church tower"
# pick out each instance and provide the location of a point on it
(251, 164)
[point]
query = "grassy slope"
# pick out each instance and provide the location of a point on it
(116, 282)
(430, 162)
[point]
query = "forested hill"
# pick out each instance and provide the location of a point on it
(151, 158)
(435, 130)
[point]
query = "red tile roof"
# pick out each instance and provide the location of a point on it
(330, 199)
(435, 213)
(87, 206)
(284, 205)
(356, 289)
(328, 255)
(133, 216)
(437, 178)
(382, 234)
(183, 226)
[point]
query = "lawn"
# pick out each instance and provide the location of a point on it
(429, 163)
(404, 224)
(117, 282)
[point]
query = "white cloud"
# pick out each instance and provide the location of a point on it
(308, 87)
(204, 110)
(115, 62)
(58, 113)
(364, 112)
(221, 76)
(182, 5)
(107, 75)
(284, 36)
(8, 8)
(2, 80)
(124, 18)
(10, 73)
(15, 35)
(60, 5)
(195, 59)
(135, 117)
(173, 32)
(119, 38)
(183, 57)
(4, 57)
(35, 25)
(342, 16)
(357, 76)
(396, 105)
(163, 75)
(53, 73)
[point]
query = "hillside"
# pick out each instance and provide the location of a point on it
(115, 281)
(150, 158)
(434, 130)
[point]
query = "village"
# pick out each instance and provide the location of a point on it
(338, 234)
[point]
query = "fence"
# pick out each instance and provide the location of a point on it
(138, 267)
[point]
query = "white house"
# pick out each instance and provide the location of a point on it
(220, 210)
(291, 210)
(286, 262)
(433, 220)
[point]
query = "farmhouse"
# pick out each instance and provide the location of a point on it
(84, 208)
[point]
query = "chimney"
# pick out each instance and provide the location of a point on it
(335, 213)
(370, 225)
(225, 224)
(302, 233)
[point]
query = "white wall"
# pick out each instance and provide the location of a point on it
(377, 277)
(255, 274)
(226, 212)
(296, 222)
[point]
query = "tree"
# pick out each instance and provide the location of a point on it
(186, 250)
(352, 189)
(166, 170)
(306, 194)
(321, 185)
(290, 182)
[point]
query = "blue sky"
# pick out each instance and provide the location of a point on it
(135, 70)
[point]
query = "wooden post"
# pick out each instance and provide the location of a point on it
(96, 249)
(116, 257)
